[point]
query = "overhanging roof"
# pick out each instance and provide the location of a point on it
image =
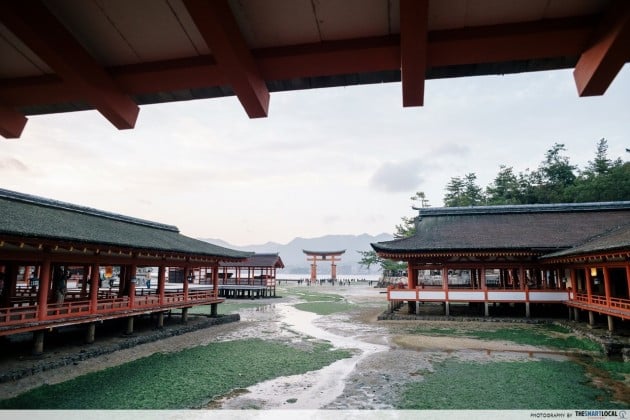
(63, 55)
(34, 219)
(257, 261)
(539, 228)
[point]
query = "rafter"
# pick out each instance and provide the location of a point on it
(492, 44)
(219, 29)
(609, 50)
(38, 29)
(413, 50)
(11, 123)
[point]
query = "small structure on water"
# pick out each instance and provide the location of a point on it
(252, 277)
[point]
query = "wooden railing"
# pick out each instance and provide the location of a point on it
(18, 315)
(598, 300)
(24, 309)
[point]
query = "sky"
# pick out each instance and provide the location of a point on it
(326, 161)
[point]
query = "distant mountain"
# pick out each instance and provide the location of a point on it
(295, 260)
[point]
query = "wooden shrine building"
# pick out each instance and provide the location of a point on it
(43, 242)
(576, 255)
(332, 256)
(255, 276)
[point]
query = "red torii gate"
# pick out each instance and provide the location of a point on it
(314, 256)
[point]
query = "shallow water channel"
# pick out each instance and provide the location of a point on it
(312, 390)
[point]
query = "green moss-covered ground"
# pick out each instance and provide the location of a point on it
(531, 385)
(185, 379)
(324, 308)
(547, 335)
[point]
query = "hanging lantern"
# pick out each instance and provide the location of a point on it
(593, 272)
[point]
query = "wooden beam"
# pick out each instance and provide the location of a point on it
(11, 123)
(40, 31)
(413, 50)
(491, 44)
(608, 52)
(219, 29)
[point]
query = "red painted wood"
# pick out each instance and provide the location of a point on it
(413, 50)
(33, 23)
(217, 26)
(607, 53)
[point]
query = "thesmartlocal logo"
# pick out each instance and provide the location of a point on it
(601, 413)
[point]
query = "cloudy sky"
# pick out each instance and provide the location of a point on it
(327, 161)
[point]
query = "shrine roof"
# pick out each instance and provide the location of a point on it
(257, 260)
(33, 218)
(542, 228)
(616, 239)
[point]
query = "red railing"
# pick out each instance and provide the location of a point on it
(24, 308)
(18, 315)
(614, 306)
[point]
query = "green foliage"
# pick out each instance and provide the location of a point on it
(186, 379)
(531, 385)
(463, 192)
(556, 180)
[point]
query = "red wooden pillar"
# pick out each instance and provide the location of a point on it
(628, 279)
(161, 283)
(606, 285)
(186, 274)
(94, 280)
(215, 279)
(589, 292)
(412, 276)
(44, 286)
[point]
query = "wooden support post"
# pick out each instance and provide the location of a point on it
(417, 307)
(94, 280)
(486, 309)
(447, 310)
(411, 307)
(570, 313)
(160, 320)
(527, 310)
(38, 342)
(215, 279)
(576, 314)
(161, 283)
(214, 310)
(591, 318)
(611, 323)
(44, 287)
(129, 330)
(184, 315)
(90, 333)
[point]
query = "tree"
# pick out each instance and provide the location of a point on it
(407, 228)
(601, 165)
(461, 192)
(505, 189)
(555, 175)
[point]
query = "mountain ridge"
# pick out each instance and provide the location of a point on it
(295, 261)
